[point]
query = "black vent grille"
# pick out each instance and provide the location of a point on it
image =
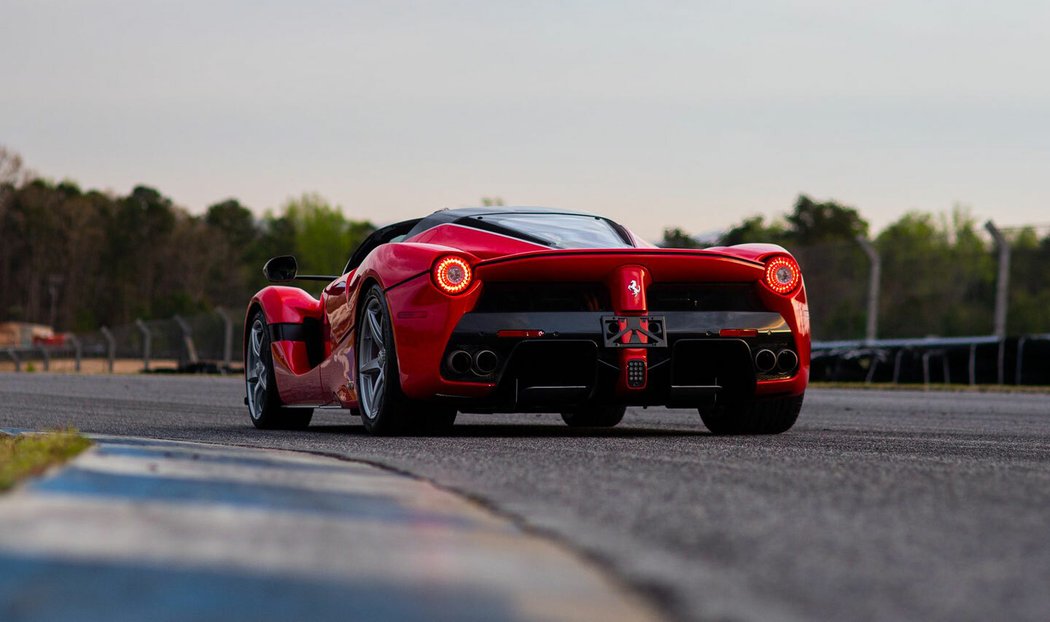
(703, 297)
(543, 297)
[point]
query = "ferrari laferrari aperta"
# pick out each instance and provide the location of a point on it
(531, 310)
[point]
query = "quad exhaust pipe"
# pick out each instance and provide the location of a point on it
(485, 362)
(765, 361)
(481, 363)
(784, 361)
(787, 360)
(459, 361)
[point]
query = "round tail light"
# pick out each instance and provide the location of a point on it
(452, 275)
(783, 275)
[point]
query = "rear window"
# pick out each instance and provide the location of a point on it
(557, 230)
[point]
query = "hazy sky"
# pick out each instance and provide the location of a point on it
(654, 113)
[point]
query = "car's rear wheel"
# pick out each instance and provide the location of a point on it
(384, 407)
(264, 403)
(765, 416)
(605, 416)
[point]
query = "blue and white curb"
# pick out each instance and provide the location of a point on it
(154, 530)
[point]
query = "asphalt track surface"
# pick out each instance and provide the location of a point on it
(878, 504)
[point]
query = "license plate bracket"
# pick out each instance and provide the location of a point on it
(634, 331)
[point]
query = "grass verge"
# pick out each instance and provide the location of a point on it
(31, 454)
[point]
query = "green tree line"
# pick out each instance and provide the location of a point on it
(938, 271)
(80, 259)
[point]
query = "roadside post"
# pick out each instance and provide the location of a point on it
(78, 352)
(1002, 289)
(147, 343)
(227, 340)
(874, 276)
(111, 347)
(187, 339)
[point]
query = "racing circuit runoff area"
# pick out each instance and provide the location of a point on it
(876, 505)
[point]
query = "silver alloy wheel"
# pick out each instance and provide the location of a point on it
(255, 370)
(371, 360)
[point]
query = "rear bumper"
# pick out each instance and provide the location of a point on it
(571, 360)
(545, 360)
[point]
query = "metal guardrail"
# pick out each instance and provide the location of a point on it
(879, 351)
(905, 343)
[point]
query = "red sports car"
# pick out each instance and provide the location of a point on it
(487, 310)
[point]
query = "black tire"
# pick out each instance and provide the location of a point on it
(386, 410)
(768, 416)
(594, 416)
(262, 398)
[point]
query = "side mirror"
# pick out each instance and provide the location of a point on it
(281, 269)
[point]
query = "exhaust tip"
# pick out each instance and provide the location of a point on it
(765, 360)
(787, 360)
(485, 362)
(459, 361)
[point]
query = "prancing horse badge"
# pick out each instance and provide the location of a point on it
(633, 287)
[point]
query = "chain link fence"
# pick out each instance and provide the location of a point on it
(954, 311)
(898, 313)
(201, 343)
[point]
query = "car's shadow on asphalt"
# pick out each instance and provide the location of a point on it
(501, 430)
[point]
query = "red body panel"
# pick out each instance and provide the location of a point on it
(482, 244)
(289, 359)
(795, 311)
(287, 304)
(297, 382)
(421, 337)
(753, 252)
(423, 318)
